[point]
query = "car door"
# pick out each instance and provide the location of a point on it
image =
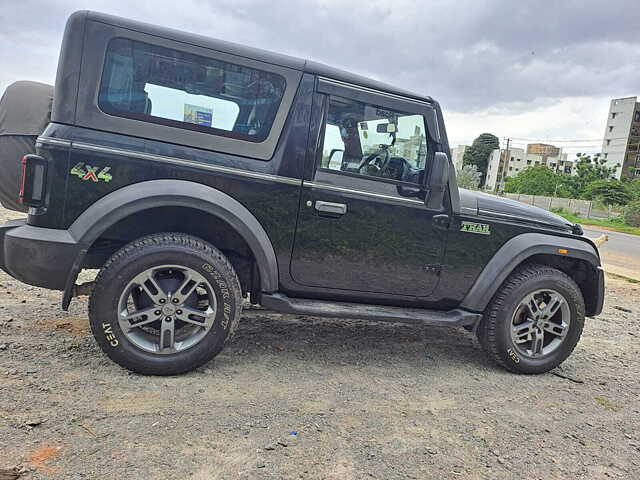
(363, 225)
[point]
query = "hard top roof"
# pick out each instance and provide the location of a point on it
(251, 52)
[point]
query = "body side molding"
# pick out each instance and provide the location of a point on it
(513, 253)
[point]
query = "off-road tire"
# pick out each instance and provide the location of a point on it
(148, 252)
(494, 330)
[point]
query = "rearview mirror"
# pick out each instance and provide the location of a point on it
(386, 128)
(438, 180)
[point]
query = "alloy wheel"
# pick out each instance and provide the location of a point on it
(167, 309)
(540, 323)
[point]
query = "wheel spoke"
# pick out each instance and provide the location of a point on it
(532, 305)
(189, 284)
(148, 283)
(522, 331)
(560, 330)
(167, 338)
(187, 312)
(139, 317)
(555, 302)
(537, 342)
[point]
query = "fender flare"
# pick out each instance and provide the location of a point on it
(138, 197)
(517, 250)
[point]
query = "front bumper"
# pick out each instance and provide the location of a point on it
(43, 257)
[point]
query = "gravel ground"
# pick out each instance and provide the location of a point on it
(299, 397)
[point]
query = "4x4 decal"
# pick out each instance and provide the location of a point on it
(87, 172)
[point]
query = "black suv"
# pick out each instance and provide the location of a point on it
(195, 173)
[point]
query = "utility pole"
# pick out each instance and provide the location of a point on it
(505, 163)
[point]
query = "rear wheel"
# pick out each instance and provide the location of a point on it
(165, 304)
(534, 322)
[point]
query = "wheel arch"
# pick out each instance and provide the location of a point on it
(148, 197)
(581, 262)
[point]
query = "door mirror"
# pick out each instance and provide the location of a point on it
(438, 181)
(335, 159)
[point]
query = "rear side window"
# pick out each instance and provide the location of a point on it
(160, 85)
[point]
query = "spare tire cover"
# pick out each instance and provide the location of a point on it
(25, 111)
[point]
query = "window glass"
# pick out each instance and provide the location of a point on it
(369, 140)
(160, 85)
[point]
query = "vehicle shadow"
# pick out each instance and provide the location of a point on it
(345, 341)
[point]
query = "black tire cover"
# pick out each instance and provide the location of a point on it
(25, 111)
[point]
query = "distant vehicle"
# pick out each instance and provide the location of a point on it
(195, 172)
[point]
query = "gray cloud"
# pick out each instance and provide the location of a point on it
(468, 54)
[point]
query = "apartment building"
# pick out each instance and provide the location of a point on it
(549, 155)
(508, 163)
(502, 164)
(621, 142)
(457, 156)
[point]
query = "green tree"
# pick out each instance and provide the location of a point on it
(631, 214)
(590, 170)
(611, 192)
(468, 177)
(478, 153)
(633, 187)
(536, 180)
(569, 186)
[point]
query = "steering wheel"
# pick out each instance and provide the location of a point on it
(382, 152)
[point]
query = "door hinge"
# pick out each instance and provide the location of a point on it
(441, 221)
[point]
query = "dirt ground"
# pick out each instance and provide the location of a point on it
(298, 397)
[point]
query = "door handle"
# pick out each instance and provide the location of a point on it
(330, 208)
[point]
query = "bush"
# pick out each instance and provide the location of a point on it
(610, 192)
(632, 214)
(469, 177)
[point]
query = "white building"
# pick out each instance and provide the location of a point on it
(457, 155)
(622, 137)
(502, 164)
(509, 163)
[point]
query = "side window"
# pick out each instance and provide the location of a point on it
(161, 85)
(369, 140)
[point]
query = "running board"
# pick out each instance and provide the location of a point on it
(321, 308)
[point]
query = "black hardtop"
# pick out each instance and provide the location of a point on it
(250, 52)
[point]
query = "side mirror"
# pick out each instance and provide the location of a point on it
(335, 159)
(438, 180)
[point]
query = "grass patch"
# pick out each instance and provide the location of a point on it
(622, 277)
(615, 225)
(608, 404)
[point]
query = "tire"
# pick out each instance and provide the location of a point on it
(169, 288)
(508, 322)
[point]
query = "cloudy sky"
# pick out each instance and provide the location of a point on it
(529, 70)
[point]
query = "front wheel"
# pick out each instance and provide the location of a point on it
(534, 322)
(165, 304)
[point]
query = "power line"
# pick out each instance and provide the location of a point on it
(538, 140)
(575, 140)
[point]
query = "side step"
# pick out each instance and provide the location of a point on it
(321, 308)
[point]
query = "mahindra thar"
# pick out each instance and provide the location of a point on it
(196, 173)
